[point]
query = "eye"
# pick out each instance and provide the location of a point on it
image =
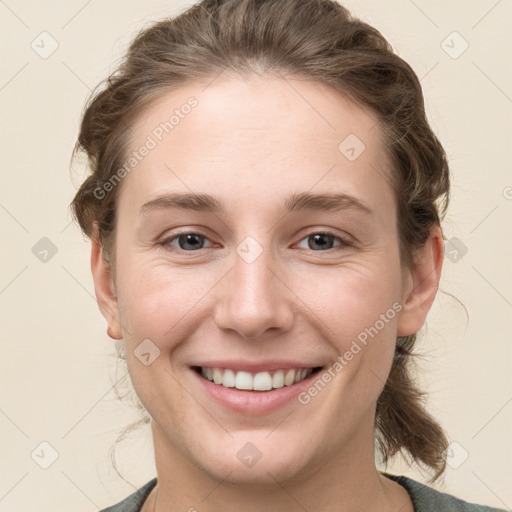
(188, 241)
(324, 241)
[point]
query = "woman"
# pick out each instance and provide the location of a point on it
(264, 208)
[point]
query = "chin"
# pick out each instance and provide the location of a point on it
(263, 474)
(260, 462)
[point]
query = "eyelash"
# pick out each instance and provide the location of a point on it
(166, 243)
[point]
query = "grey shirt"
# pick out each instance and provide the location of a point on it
(424, 498)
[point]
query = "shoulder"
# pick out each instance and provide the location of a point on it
(428, 499)
(424, 498)
(134, 501)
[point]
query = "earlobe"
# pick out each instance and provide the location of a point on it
(421, 284)
(104, 287)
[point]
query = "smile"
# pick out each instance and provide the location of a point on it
(261, 381)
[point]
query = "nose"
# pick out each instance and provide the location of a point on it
(254, 300)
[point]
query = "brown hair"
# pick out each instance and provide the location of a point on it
(318, 40)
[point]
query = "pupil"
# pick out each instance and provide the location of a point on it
(318, 237)
(189, 238)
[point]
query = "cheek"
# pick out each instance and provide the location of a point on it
(353, 296)
(161, 303)
(356, 309)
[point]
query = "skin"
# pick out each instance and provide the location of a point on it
(251, 142)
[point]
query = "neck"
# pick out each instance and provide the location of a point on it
(343, 483)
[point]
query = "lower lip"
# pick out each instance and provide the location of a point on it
(253, 402)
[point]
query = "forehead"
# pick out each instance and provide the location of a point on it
(254, 135)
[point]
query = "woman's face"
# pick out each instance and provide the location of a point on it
(252, 288)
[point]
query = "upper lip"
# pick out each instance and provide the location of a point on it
(255, 366)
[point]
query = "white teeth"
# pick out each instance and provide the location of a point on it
(262, 381)
(229, 380)
(290, 378)
(278, 380)
(243, 380)
(217, 376)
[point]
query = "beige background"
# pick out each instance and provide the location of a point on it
(57, 372)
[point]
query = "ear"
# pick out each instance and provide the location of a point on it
(421, 284)
(104, 287)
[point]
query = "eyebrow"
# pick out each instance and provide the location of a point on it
(296, 202)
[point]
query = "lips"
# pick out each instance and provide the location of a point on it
(251, 402)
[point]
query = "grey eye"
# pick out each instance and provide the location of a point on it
(188, 242)
(320, 241)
